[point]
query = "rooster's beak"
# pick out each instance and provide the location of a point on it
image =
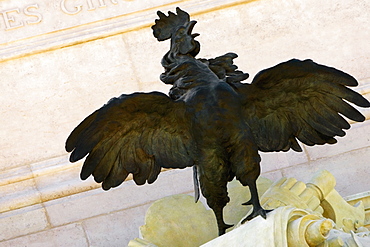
(190, 27)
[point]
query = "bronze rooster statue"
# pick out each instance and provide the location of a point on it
(211, 121)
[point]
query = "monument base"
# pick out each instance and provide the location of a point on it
(311, 214)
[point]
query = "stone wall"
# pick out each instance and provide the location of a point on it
(62, 59)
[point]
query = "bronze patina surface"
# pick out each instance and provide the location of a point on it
(211, 121)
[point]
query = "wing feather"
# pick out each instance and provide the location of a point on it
(319, 123)
(329, 114)
(299, 100)
(108, 159)
(342, 107)
(343, 92)
(293, 143)
(70, 145)
(138, 133)
(116, 176)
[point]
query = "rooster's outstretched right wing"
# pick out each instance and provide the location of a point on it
(299, 100)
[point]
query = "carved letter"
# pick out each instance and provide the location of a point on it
(8, 19)
(90, 4)
(102, 4)
(65, 10)
(33, 14)
(114, 1)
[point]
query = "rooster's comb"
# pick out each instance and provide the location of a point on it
(165, 26)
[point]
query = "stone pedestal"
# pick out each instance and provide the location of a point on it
(304, 215)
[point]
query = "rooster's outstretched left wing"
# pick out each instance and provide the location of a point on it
(299, 100)
(137, 133)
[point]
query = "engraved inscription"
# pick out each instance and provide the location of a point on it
(9, 19)
(71, 8)
(30, 11)
(30, 14)
(20, 17)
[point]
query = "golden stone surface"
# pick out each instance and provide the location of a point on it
(177, 219)
(312, 214)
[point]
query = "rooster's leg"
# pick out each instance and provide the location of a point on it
(247, 172)
(222, 226)
(217, 199)
(255, 202)
(214, 189)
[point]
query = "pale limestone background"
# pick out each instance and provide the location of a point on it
(57, 71)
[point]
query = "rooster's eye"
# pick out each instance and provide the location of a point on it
(181, 31)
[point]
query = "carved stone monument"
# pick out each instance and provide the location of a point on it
(311, 214)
